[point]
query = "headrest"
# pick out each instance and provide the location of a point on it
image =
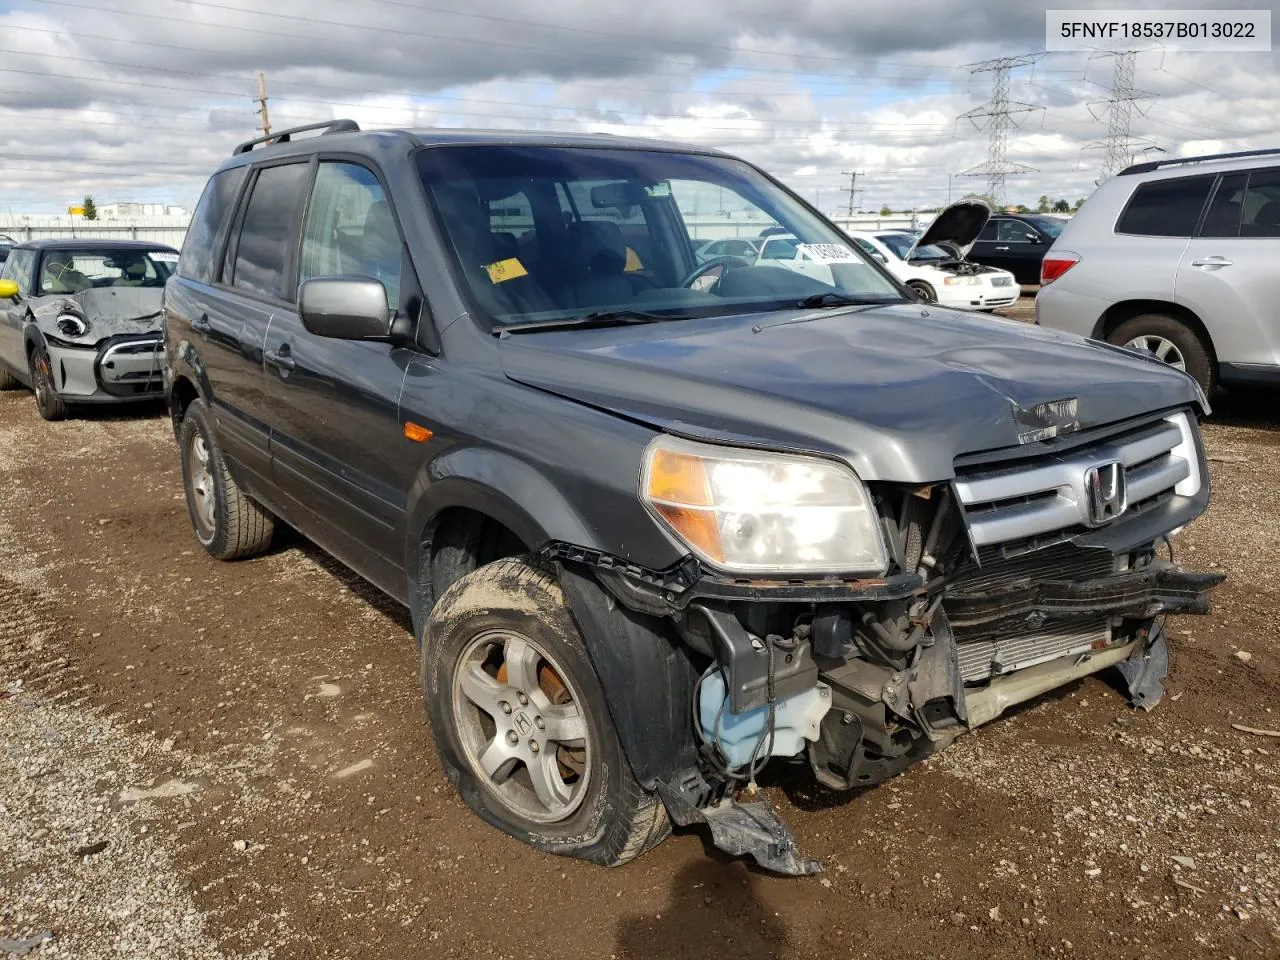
(600, 245)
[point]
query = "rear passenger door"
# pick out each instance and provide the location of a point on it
(1228, 275)
(336, 438)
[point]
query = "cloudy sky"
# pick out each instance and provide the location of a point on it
(140, 99)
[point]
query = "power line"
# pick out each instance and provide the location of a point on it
(998, 113)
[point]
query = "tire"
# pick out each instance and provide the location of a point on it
(926, 292)
(8, 381)
(50, 405)
(228, 523)
(1171, 338)
(511, 613)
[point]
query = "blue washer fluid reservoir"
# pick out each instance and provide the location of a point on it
(796, 720)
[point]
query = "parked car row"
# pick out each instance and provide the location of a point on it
(661, 520)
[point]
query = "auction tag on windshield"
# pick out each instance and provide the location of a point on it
(504, 270)
(827, 253)
(159, 256)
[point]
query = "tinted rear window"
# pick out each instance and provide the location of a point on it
(267, 234)
(197, 261)
(1166, 208)
(1262, 205)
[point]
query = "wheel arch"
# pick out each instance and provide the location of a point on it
(1126, 310)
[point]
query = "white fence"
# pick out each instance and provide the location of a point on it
(166, 230)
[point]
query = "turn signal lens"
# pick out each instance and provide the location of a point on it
(1051, 268)
(417, 433)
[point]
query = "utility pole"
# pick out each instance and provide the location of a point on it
(1118, 147)
(998, 113)
(262, 104)
(853, 186)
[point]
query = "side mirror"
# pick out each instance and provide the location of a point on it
(8, 290)
(345, 308)
(881, 257)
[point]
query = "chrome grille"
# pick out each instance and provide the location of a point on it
(1064, 561)
(1045, 495)
(981, 659)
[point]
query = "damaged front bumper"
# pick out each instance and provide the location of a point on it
(119, 369)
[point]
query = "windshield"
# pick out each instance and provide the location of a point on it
(900, 245)
(74, 271)
(545, 233)
(1047, 225)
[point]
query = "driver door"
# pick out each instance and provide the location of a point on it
(18, 268)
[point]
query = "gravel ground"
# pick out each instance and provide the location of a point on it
(208, 760)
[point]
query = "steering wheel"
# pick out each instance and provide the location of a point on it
(701, 277)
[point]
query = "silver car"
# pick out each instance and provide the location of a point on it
(1177, 258)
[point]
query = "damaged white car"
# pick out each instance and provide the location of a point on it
(934, 264)
(80, 321)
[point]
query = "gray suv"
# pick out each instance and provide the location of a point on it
(1177, 257)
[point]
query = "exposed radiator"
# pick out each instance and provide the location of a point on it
(981, 659)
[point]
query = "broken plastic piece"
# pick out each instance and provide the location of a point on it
(1144, 673)
(743, 829)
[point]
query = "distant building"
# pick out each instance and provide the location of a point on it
(128, 211)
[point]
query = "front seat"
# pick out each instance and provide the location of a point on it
(600, 262)
(59, 275)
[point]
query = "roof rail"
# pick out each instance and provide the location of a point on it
(1177, 161)
(284, 136)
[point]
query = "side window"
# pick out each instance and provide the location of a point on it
(779, 250)
(215, 205)
(990, 230)
(1223, 218)
(350, 230)
(1166, 208)
(262, 253)
(1015, 231)
(1262, 205)
(18, 269)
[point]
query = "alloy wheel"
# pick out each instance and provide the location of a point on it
(204, 496)
(521, 726)
(1165, 350)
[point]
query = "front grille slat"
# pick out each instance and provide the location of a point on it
(1029, 497)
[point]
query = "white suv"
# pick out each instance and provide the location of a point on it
(1178, 258)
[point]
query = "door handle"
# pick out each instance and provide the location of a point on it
(280, 359)
(1002, 248)
(1211, 262)
(201, 324)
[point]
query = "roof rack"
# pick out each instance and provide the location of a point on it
(1177, 161)
(284, 136)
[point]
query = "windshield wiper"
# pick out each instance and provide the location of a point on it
(604, 318)
(840, 300)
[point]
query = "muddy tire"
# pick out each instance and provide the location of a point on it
(521, 723)
(1172, 341)
(8, 381)
(48, 403)
(926, 292)
(228, 523)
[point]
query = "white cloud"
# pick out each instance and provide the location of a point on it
(140, 99)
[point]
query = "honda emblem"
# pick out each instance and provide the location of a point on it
(1105, 493)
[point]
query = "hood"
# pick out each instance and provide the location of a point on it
(896, 391)
(108, 311)
(958, 225)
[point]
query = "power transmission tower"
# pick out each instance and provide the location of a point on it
(999, 113)
(1120, 145)
(262, 105)
(853, 176)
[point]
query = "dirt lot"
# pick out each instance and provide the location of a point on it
(248, 742)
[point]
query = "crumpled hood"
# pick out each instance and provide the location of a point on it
(108, 310)
(897, 391)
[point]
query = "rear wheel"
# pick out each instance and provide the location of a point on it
(228, 523)
(1171, 341)
(926, 292)
(521, 722)
(50, 405)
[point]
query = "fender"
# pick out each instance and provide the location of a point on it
(647, 676)
(33, 336)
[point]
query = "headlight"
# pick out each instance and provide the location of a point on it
(750, 511)
(69, 325)
(962, 282)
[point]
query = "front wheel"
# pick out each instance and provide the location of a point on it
(1170, 340)
(521, 723)
(50, 405)
(926, 292)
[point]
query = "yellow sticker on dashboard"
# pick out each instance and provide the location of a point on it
(633, 262)
(503, 270)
